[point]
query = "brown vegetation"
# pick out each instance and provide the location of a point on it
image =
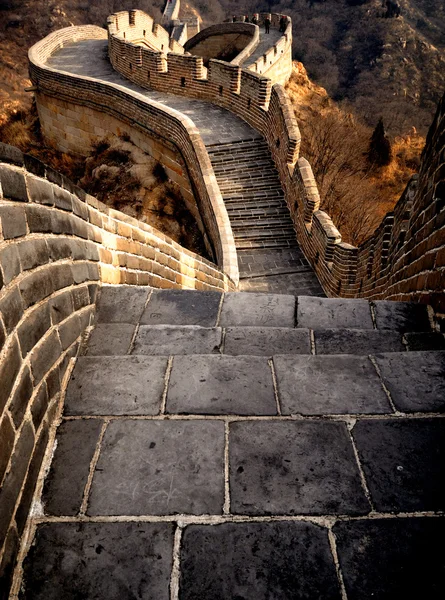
(355, 193)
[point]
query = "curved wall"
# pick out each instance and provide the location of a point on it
(233, 39)
(57, 247)
(146, 116)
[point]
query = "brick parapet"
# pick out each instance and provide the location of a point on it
(58, 245)
(149, 116)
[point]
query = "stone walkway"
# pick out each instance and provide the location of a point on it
(266, 42)
(249, 447)
(244, 169)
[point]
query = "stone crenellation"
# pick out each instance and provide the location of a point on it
(58, 246)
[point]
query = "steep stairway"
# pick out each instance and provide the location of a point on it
(263, 230)
(248, 446)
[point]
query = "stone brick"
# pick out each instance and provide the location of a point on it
(291, 468)
(33, 328)
(37, 286)
(403, 462)
(169, 339)
(61, 306)
(39, 405)
(10, 263)
(167, 467)
(63, 199)
(258, 310)
(39, 219)
(143, 551)
(317, 385)
(69, 331)
(21, 397)
(223, 561)
(31, 480)
(425, 341)
(13, 481)
(13, 221)
(13, 184)
(80, 296)
(65, 483)
(182, 307)
(7, 436)
(221, 385)
(10, 364)
(33, 253)
(34, 165)
(391, 558)
(121, 304)
(266, 341)
(7, 563)
(356, 341)
(11, 308)
(329, 313)
(11, 154)
(401, 316)
(111, 339)
(45, 355)
(415, 380)
(40, 191)
(125, 385)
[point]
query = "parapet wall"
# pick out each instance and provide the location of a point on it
(239, 38)
(57, 247)
(145, 116)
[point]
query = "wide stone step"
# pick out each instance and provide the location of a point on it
(231, 187)
(248, 176)
(254, 214)
(258, 145)
(262, 206)
(256, 164)
(264, 244)
(252, 195)
(248, 222)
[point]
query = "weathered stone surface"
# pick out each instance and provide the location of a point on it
(330, 313)
(356, 341)
(121, 304)
(392, 558)
(290, 468)
(69, 331)
(13, 184)
(317, 385)
(33, 328)
(110, 339)
(169, 339)
(182, 307)
(40, 191)
(425, 341)
(37, 286)
(403, 461)
(11, 308)
(21, 396)
(266, 341)
(401, 316)
(45, 355)
(100, 560)
(416, 380)
(160, 467)
(123, 385)
(7, 436)
(285, 560)
(221, 385)
(9, 369)
(257, 310)
(13, 221)
(33, 253)
(7, 563)
(39, 406)
(61, 306)
(10, 263)
(65, 483)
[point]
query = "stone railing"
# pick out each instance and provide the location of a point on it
(58, 245)
(147, 116)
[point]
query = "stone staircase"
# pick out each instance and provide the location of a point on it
(248, 446)
(264, 234)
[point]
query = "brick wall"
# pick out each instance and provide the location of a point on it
(147, 117)
(211, 41)
(137, 26)
(57, 247)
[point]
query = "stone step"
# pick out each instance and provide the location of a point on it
(248, 176)
(264, 244)
(254, 226)
(254, 205)
(258, 145)
(242, 157)
(254, 195)
(252, 164)
(254, 214)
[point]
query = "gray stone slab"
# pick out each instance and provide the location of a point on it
(182, 307)
(357, 341)
(217, 385)
(425, 341)
(160, 467)
(333, 313)
(266, 341)
(121, 304)
(264, 561)
(415, 380)
(401, 316)
(257, 310)
(117, 561)
(65, 483)
(318, 385)
(390, 559)
(403, 461)
(111, 339)
(171, 339)
(122, 385)
(293, 467)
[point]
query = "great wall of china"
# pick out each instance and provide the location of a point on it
(58, 245)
